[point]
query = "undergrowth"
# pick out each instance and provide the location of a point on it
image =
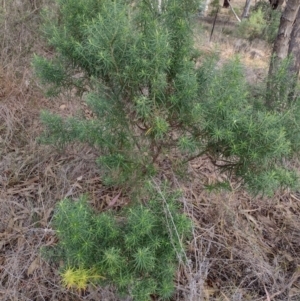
(136, 249)
(262, 24)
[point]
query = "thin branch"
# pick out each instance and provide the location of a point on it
(237, 17)
(194, 157)
(212, 30)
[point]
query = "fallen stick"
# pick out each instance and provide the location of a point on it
(237, 17)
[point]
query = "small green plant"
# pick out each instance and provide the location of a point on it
(270, 31)
(137, 250)
(253, 27)
(262, 24)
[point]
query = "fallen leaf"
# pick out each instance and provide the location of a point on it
(33, 266)
(21, 242)
(114, 200)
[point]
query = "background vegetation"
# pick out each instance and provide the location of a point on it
(262, 23)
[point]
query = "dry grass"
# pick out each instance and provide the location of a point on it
(253, 55)
(32, 179)
(243, 248)
(248, 247)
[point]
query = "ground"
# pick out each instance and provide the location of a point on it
(243, 247)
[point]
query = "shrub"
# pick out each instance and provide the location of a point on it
(136, 250)
(262, 24)
(137, 64)
(254, 26)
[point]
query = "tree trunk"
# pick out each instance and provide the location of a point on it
(226, 3)
(294, 54)
(287, 20)
(281, 45)
(246, 9)
(276, 3)
(294, 47)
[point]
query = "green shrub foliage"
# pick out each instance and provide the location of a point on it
(262, 24)
(135, 64)
(136, 250)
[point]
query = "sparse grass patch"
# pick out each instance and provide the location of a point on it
(20, 31)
